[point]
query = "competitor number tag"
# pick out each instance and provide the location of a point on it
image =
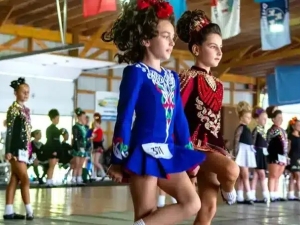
(23, 155)
(157, 150)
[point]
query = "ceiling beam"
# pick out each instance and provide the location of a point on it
(235, 78)
(264, 59)
(6, 10)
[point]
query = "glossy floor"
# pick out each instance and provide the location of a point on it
(112, 206)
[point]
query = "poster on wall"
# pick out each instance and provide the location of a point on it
(106, 104)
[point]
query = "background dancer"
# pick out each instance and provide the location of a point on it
(277, 152)
(293, 132)
(53, 145)
(244, 152)
(260, 144)
(202, 96)
(97, 147)
(144, 32)
(17, 150)
(79, 146)
(41, 157)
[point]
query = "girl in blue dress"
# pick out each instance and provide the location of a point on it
(157, 150)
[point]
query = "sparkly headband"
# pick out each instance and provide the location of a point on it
(198, 22)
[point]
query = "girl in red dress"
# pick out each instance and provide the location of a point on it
(202, 96)
(97, 138)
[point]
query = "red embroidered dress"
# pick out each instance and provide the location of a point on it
(202, 96)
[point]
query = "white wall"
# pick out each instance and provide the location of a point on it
(44, 95)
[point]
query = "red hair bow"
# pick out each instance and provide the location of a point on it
(163, 9)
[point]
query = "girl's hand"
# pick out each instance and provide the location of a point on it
(8, 156)
(115, 172)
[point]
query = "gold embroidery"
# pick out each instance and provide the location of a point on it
(186, 75)
(209, 118)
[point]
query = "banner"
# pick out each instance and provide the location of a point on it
(275, 25)
(283, 86)
(263, 1)
(95, 7)
(106, 104)
(227, 15)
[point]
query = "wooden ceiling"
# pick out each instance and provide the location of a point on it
(43, 14)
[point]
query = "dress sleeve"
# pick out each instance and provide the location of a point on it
(254, 136)
(181, 128)
(77, 142)
(237, 136)
(129, 91)
(11, 116)
(186, 87)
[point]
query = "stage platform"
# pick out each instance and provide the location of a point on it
(112, 206)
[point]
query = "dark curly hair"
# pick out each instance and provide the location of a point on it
(131, 28)
(193, 27)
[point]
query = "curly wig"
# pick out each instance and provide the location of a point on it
(193, 27)
(131, 28)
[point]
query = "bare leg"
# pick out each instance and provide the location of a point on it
(208, 186)
(227, 172)
(50, 171)
(253, 184)
(21, 172)
(143, 191)
(244, 174)
(262, 179)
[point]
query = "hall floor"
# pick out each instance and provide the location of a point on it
(112, 206)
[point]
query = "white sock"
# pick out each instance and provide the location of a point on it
(291, 195)
(79, 179)
(253, 194)
(9, 209)
(140, 222)
(298, 194)
(174, 201)
(161, 201)
(29, 210)
(272, 195)
(240, 196)
(249, 195)
(48, 182)
(73, 179)
(230, 196)
(102, 173)
(266, 194)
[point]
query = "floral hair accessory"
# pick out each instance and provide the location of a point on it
(163, 9)
(293, 121)
(259, 111)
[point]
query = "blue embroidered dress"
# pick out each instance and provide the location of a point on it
(148, 148)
